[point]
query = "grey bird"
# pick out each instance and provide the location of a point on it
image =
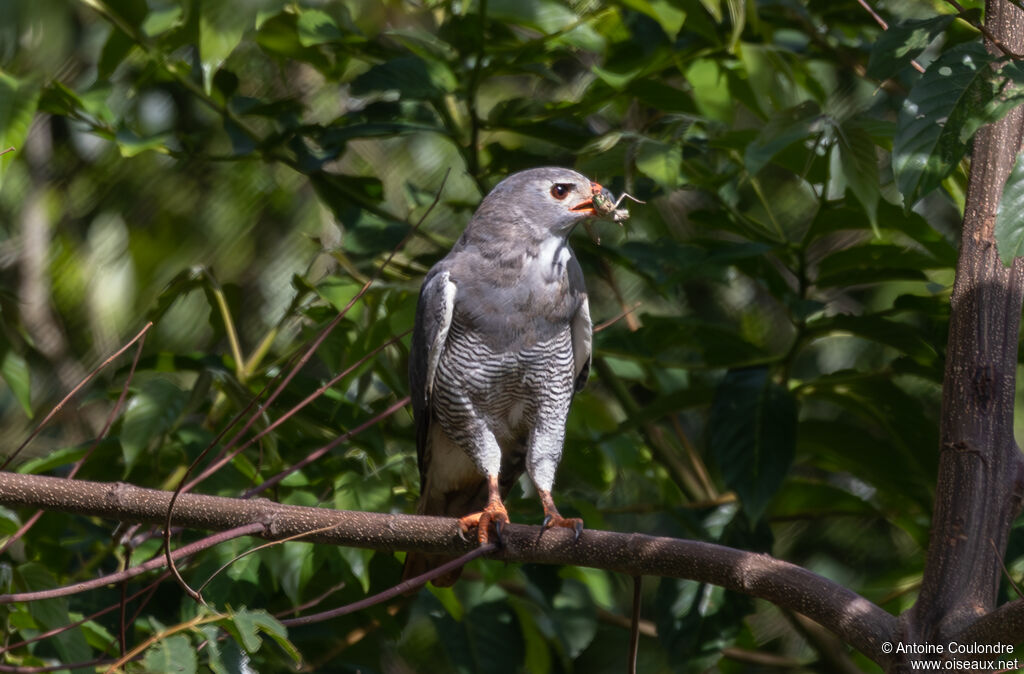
(501, 343)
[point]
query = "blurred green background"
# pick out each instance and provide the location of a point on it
(236, 171)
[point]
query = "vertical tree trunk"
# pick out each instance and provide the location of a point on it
(980, 467)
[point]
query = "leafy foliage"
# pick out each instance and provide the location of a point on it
(238, 171)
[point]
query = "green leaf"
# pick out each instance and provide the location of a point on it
(213, 649)
(246, 631)
(669, 15)
(547, 16)
(316, 27)
(173, 654)
(115, 50)
(900, 43)
(150, 414)
(858, 166)
(98, 636)
(661, 162)
(18, 101)
(959, 93)
(752, 436)
(162, 19)
(183, 283)
(902, 336)
(54, 459)
(339, 291)
(696, 621)
(9, 522)
(221, 26)
(874, 263)
(614, 78)
(51, 613)
(782, 130)
(131, 12)
(537, 658)
(131, 144)
(15, 371)
(683, 342)
(410, 76)
(61, 100)
(487, 640)
(577, 616)
(224, 657)
(713, 7)
(849, 445)
(805, 498)
(905, 422)
(1010, 216)
(245, 626)
(353, 491)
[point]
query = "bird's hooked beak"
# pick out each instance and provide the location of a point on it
(587, 205)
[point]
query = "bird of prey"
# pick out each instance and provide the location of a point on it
(500, 345)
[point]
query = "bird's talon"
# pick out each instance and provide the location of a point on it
(553, 519)
(498, 526)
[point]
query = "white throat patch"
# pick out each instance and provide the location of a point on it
(549, 265)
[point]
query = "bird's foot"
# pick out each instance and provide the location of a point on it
(553, 519)
(495, 514)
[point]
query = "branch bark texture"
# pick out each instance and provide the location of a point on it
(979, 489)
(853, 618)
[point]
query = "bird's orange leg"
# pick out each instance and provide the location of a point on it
(553, 519)
(493, 513)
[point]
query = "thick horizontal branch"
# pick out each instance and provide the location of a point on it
(856, 620)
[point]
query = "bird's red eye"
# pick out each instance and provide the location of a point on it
(560, 190)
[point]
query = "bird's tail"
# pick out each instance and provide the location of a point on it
(417, 563)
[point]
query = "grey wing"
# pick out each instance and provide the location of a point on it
(429, 334)
(581, 327)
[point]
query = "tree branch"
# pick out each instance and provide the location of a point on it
(1002, 626)
(979, 489)
(853, 618)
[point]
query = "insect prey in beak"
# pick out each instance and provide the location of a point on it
(605, 203)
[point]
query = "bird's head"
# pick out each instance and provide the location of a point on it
(545, 201)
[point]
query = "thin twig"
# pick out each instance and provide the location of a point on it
(696, 462)
(163, 634)
(612, 321)
(250, 551)
(72, 625)
(295, 610)
(885, 26)
(64, 401)
(155, 563)
(962, 15)
(1006, 572)
(316, 454)
(66, 667)
(874, 15)
(103, 433)
(287, 415)
(395, 591)
(634, 627)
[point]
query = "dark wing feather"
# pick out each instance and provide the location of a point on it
(581, 327)
(430, 331)
(433, 318)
